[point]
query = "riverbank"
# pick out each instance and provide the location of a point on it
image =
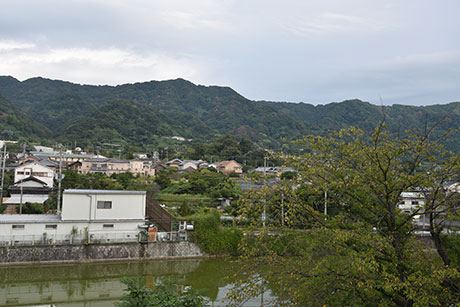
(97, 252)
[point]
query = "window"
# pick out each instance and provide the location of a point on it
(415, 202)
(51, 226)
(107, 226)
(20, 173)
(104, 205)
(18, 226)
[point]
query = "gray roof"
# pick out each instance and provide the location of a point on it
(77, 191)
(97, 160)
(56, 154)
(26, 198)
(28, 218)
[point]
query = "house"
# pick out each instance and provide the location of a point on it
(95, 215)
(228, 167)
(111, 166)
(43, 149)
(273, 170)
(28, 190)
(67, 157)
(174, 163)
(76, 166)
(188, 165)
(159, 166)
(140, 155)
(142, 167)
(107, 166)
(411, 201)
(37, 170)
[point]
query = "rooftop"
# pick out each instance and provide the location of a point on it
(77, 191)
(28, 218)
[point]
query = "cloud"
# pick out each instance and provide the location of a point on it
(331, 23)
(96, 66)
(8, 45)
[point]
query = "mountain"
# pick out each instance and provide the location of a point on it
(15, 124)
(137, 113)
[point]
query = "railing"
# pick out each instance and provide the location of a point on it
(90, 238)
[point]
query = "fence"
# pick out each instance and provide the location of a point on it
(90, 238)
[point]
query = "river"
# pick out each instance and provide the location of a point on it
(99, 285)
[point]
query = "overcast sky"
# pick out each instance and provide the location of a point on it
(406, 52)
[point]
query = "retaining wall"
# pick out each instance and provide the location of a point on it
(86, 253)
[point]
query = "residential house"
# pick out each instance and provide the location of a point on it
(76, 166)
(273, 170)
(412, 201)
(67, 157)
(174, 163)
(98, 215)
(159, 166)
(43, 149)
(142, 167)
(28, 190)
(37, 170)
(111, 166)
(228, 167)
(140, 155)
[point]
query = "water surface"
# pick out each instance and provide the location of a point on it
(98, 284)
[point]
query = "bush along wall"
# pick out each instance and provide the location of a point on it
(212, 237)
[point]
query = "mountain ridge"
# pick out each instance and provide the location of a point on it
(162, 108)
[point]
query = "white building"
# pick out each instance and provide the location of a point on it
(34, 169)
(87, 216)
(411, 201)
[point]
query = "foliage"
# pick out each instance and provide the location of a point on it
(200, 182)
(31, 208)
(164, 295)
(211, 237)
(364, 250)
(142, 114)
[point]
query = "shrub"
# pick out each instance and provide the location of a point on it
(211, 237)
(32, 208)
(165, 295)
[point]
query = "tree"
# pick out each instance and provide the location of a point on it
(164, 294)
(366, 251)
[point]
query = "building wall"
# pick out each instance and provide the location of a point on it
(41, 172)
(84, 206)
(63, 229)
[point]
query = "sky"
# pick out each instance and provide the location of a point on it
(385, 51)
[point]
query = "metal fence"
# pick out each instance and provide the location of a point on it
(90, 238)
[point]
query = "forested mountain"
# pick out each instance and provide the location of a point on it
(136, 113)
(14, 123)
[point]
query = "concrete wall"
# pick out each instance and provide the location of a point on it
(84, 253)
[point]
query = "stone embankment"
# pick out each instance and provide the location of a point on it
(98, 252)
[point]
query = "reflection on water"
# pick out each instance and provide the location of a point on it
(98, 284)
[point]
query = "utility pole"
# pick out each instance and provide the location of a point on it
(59, 181)
(265, 165)
(3, 172)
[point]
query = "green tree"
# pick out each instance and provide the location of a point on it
(164, 295)
(366, 250)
